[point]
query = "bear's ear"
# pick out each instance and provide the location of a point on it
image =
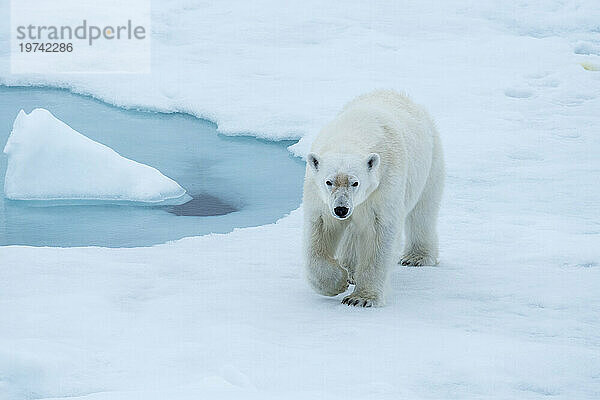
(372, 162)
(313, 160)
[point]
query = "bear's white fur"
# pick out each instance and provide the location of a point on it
(375, 171)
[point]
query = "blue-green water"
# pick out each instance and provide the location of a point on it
(235, 181)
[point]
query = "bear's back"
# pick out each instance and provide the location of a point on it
(398, 104)
(381, 121)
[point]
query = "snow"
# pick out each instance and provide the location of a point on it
(512, 311)
(229, 316)
(282, 71)
(50, 161)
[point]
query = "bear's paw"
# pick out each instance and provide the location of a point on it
(417, 260)
(361, 300)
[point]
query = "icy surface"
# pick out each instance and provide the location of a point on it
(511, 312)
(50, 161)
(281, 71)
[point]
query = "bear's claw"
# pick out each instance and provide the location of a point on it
(414, 260)
(357, 301)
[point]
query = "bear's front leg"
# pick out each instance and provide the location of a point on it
(375, 260)
(324, 273)
(347, 252)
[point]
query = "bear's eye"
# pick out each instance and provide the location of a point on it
(328, 183)
(355, 184)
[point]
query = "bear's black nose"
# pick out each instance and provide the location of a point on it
(341, 211)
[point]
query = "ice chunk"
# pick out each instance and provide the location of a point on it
(48, 160)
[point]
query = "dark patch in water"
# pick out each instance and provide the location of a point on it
(202, 205)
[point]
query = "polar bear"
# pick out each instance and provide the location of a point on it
(373, 172)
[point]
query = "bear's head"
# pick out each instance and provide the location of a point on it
(344, 180)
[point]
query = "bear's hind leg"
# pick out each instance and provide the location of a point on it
(421, 223)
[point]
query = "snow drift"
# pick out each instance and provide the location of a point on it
(48, 160)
